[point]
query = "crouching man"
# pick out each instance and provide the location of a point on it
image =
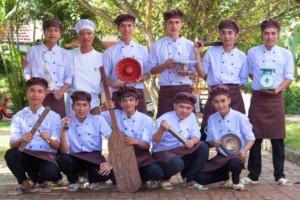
(221, 123)
(81, 144)
(39, 154)
(172, 155)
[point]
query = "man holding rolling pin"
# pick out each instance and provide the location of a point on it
(38, 157)
(171, 154)
(225, 65)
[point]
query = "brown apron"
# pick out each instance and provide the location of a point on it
(266, 114)
(94, 157)
(141, 107)
(216, 162)
(167, 155)
(166, 97)
(237, 103)
(143, 157)
(57, 106)
(42, 155)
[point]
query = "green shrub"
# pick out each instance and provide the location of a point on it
(292, 99)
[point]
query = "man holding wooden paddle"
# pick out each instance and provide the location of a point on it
(38, 133)
(225, 65)
(173, 156)
(138, 129)
(81, 144)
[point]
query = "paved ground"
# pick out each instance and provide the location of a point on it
(266, 189)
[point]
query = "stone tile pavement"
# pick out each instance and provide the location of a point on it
(266, 189)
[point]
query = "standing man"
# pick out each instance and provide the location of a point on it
(86, 65)
(172, 155)
(126, 47)
(225, 121)
(53, 63)
(39, 155)
(266, 112)
(138, 128)
(225, 65)
(81, 144)
(164, 54)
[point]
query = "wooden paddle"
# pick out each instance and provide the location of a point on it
(122, 156)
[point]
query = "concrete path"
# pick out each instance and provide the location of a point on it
(266, 189)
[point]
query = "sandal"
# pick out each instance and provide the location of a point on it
(166, 185)
(17, 191)
(44, 188)
(284, 181)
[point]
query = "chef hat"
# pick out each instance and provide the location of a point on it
(270, 23)
(173, 13)
(81, 96)
(230, 24)
(84, 24)
(37, 81)
(185, 97)
(52, 23)
(219, 90)
(124, 17)
(124, 92)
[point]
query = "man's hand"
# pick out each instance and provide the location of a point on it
(131, 141)
(164, 125)
(274, 91)
(27, 137)
(57, 94)
(189, 144)
(170, 63)
(104, 169)
(24, 62)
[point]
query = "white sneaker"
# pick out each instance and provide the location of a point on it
(247, 180)
(239, 186)
(284, 181)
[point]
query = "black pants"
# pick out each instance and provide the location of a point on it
(19, 163)
(255, 163)
(234, 165)
(188, 165)
(153, 172)
(71, 166)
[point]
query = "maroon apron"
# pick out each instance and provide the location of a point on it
(216, 162)
(167, 155)
(143, 157)
(56, 105)
(266, 114)
(237, 103)
(141, 107)
(94, 157)
(166, 97)
(42, 155)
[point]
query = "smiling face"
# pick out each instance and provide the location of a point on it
(86, 37)
(183, 110)
(173, 27)
(36, 95)
(126, 29)
(227, 37)
(81, 109)
(270, 37)
(128, 104)
(221, 104)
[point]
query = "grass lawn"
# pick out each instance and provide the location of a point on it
(4, 138)
(292, 140)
